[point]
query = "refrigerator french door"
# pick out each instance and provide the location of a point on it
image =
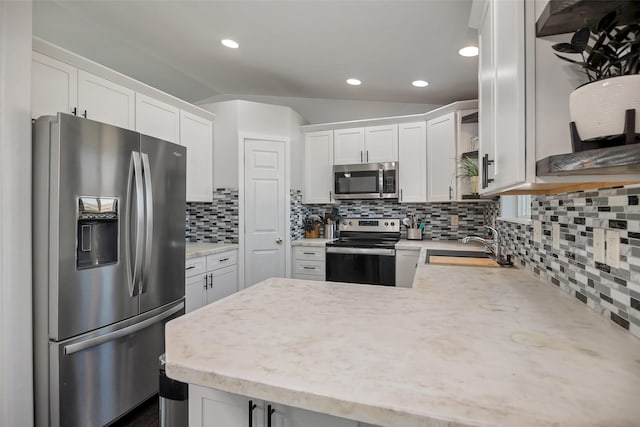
(108, 237)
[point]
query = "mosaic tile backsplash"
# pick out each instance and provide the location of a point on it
(215, 221)
(472, 216)
(610, 291)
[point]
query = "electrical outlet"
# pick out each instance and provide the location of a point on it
(537, 231)
(555, 232)
(613, 248)
(598, 245)
(454, 221)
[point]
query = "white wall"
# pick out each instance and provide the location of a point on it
(237, 117)
(320, 110)
(16, 373)
(297, 152)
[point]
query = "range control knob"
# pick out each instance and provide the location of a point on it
(350, 222)
(393, 223)
(386, 224)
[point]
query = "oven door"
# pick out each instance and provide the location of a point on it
(361, 265)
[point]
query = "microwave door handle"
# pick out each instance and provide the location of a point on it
(148, 190)
(381, 181)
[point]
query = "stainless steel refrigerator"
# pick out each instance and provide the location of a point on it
(108, 239)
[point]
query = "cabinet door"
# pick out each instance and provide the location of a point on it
(486, 114)
(287, 416)
(441, 158)
(509, 86)
(104, 101)
(213, 408)
(412, 162)
(406, 264)
(196, 134)
(157, 119)
(348, 146)
(54, 86)
(224, 282)
(318, 167)
(381, 144)
(195, 291)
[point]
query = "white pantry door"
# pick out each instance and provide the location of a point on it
(265, 210)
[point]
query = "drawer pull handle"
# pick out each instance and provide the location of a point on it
(191, 267)
(224, 259)
(309, 268)
(309, 253)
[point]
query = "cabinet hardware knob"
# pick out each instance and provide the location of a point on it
(84, 114)
(74, 111)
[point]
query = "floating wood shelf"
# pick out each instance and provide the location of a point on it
(470, 154)
(470, 118)
(622, 159)
(566, 16)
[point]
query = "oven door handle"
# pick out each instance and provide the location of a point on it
(362, 251)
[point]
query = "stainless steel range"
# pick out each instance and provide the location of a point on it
(365, 252)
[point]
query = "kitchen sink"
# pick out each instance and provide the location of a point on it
(461, 258)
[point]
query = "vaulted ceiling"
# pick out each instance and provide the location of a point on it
(294, 48)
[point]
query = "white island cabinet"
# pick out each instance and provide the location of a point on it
(214, 408)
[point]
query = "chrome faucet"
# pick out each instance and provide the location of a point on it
(494, 245)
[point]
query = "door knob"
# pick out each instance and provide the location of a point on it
(279, 241)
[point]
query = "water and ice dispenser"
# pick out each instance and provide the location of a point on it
(97, 232)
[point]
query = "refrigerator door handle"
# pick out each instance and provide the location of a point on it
(92, 342)
(135, 175)
(148, 191)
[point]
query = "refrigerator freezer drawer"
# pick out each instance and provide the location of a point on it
(97, 378)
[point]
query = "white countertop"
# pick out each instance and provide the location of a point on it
(416, 245)
(311, 242)
(195, 250)
(465, 346)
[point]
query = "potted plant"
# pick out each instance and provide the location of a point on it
(609, 57)
(468, 171)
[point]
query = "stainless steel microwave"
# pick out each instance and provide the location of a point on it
(366, 181)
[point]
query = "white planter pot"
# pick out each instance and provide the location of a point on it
(598, 108)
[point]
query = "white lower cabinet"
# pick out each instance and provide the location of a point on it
(214, 408)
(406, 264)
(210, 278)
(309, 263)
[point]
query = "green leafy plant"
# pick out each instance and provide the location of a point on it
(606, 49)
(467, 168)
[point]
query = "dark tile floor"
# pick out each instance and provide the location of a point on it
(145, 415)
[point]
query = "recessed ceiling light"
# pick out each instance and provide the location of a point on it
(468, 51)
(354, 82)
(230, 43)
(420, 83)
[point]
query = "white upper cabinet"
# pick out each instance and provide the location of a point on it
(157, 119)
(349, 146)
(381, 144)
(412, 158)
(105, 101)
(441, 158)
(318, 167)
(374, 144)
(54, 86)
(196, 134)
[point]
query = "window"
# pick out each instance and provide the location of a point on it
(515, 207)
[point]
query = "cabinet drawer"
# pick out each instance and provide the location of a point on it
(309, 253)
(222, 260)
(310, 267)
(195, 266)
